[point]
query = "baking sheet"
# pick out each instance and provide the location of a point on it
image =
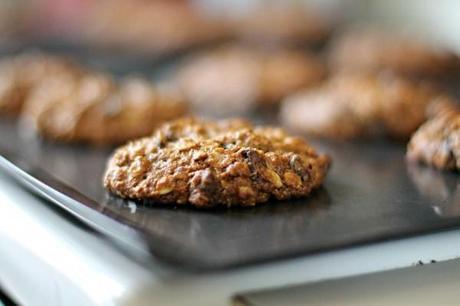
(370, 195)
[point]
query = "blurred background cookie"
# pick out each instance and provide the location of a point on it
(359, 105)
(284, 24)
(442, 106)
(97, 109)
(19, 74)
(149, 27)
(372, 49)
(237, 79)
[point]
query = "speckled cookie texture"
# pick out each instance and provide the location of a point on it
(21, 73)
(235, 79)
(437, 141)
(359, 105)
(96, 109)
(215, 163)
(371, 50)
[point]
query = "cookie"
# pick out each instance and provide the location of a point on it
(359, 105)
(442, 106)
(293, 25)
(375, 50)
(215, 163)
(19, 74)
(96, 109)
(237, 79)
(149, 27)
(437, 141)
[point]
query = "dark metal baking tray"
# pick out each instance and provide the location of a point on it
(370, 195)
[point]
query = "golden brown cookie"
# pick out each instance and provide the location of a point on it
(293, 25)
(237, 79)
(437, 141)
(211, 164)
(359, 105)
(96, 109)
(375, 50)
(20, 74)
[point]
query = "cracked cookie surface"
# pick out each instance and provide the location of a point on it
(215, 163)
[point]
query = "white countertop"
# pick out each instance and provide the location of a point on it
(425, 285)
(46, 259)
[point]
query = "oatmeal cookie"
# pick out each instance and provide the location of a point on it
(20, 74)
(96, 109)
(437, 141)
(237, 79)
(374, 50)
(209, 164)
(359, 105)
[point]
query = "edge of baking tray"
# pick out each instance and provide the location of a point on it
(128, 235)
(70, 200)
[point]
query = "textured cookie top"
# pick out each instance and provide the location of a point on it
(206, 164)
(437, 141)
(356, 105)
(19, 74)
(235, 79)
(370, 50)
(96, 109)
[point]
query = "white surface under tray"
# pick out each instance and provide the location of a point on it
(47, 260)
